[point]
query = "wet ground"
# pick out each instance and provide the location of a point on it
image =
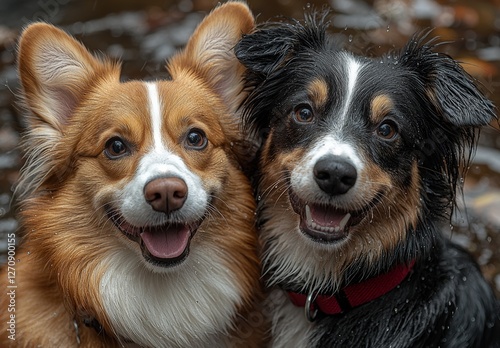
(144, 33)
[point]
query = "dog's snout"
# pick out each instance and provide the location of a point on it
(334, 175)
(166, 194)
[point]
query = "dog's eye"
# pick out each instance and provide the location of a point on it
(387, 130)
(303, 114)
(116, 148)
(196, 139)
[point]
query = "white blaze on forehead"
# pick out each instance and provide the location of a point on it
(155, 113)
(353, 67)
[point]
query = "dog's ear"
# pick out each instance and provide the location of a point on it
(273, 44)
(209, 52)
(55, 71)
(450, 88)
(458, 97)
(267, 48)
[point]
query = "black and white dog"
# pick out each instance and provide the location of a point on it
(358, 170)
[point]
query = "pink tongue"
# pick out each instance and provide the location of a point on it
(166, 243)
(326, 216)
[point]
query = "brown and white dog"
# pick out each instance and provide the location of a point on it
(136, 219)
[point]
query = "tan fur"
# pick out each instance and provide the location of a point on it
(318, 92)
(381, 105)
(68, 179)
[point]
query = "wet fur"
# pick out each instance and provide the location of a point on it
(438, 109)
(74, 265)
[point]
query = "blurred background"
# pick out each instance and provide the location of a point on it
(144, 33)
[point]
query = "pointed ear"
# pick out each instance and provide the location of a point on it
(209, 53)
(449, 87)
(55, 71)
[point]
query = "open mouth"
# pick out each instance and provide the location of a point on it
(162, 245)
(324, 223)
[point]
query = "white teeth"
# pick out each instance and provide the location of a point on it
(309, 219)
(344, 220)
(317, 227)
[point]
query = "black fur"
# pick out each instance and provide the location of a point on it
(445, 302)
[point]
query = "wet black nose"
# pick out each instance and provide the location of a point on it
(334, 175)
(166, 194)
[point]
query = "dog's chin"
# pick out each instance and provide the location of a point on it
(164, 245)
(325, 223)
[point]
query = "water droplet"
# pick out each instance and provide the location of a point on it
(350, 38)
(388, 27)
(464, 278)
(29, 252)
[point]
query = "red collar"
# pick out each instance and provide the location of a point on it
(353, 295)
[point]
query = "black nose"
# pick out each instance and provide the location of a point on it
(166, 194)
(334, 175)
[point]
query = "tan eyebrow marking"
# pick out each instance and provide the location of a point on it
(381, 105)
(317, 91)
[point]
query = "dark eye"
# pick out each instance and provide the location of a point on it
(387, 130)
(196, 139)
(115, 148)
(303, 114)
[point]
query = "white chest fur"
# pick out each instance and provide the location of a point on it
(189, 307)
(290, 326)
